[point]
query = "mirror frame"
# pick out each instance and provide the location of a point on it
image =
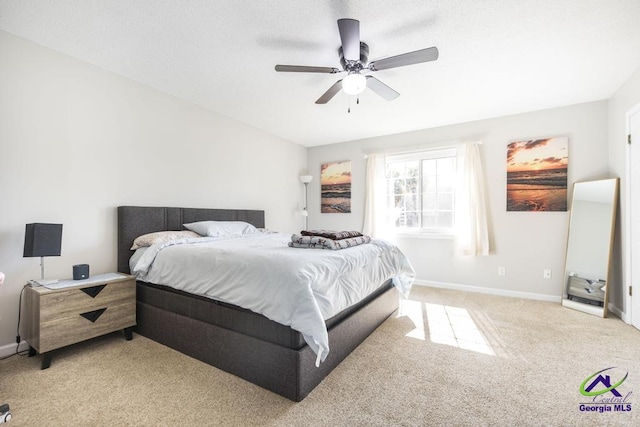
(584, 307)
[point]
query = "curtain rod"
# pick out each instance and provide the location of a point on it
(407, 150)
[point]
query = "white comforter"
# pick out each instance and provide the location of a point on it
(296, 287)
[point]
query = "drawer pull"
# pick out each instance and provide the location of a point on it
(93, 291)
(92, 316)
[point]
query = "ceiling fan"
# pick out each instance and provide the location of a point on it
(354, 56)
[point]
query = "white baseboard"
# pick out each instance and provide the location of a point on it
(9, 349)
(490, 291)
(618, 313)
(501, 292)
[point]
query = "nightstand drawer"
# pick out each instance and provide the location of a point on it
(73, 301)
(81, 326)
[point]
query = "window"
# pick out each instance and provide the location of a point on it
(421, 191)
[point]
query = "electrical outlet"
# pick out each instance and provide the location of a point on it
(546, 273)
(502, 271)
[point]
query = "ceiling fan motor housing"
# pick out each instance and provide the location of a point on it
(355, 66)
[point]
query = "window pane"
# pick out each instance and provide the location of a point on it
(445, 182)
(428, 220)
(429, 201)
(413, 169)
(398, 186)
(406, 202)
(445, 219)
(407, 219)
(429, 183)
(412, 219)
(412, 185)
(411, 202)
(445, 201)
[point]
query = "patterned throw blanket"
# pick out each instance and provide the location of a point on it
(333, 235)
(320, 242)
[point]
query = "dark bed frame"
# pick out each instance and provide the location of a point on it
(228, 337)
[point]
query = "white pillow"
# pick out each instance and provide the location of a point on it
(160, 237)
(221, 228)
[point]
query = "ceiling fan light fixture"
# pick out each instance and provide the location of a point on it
(354, 84)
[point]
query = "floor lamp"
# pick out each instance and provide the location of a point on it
(306, 179)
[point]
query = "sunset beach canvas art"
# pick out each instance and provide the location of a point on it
(537, 175)
(335, 182)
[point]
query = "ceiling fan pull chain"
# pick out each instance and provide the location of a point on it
(349, 107)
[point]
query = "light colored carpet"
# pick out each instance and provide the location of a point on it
(508, 362)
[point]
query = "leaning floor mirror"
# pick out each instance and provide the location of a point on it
(589, 245)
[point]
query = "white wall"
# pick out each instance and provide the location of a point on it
(625, 98)
(77, 141)
(525, 243)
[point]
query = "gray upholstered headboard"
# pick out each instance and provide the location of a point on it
(134, 221)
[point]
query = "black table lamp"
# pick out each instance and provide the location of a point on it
(42, 240)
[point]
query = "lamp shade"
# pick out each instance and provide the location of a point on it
(306, 178)
(42, 240)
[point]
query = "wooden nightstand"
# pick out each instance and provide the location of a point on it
(57, 318)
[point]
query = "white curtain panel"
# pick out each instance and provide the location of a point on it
(374, 201)
(471, 211)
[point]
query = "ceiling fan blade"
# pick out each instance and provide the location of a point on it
(326, 97)
(381, 89)
(423, 55)
(350, 37)
(305, 69)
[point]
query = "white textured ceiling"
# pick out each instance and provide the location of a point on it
(497, 57)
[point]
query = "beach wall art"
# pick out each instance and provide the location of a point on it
(537, 174)
(335, 183)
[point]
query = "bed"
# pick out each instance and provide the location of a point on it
(234, 339)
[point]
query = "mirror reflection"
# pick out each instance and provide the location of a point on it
(591, 230)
